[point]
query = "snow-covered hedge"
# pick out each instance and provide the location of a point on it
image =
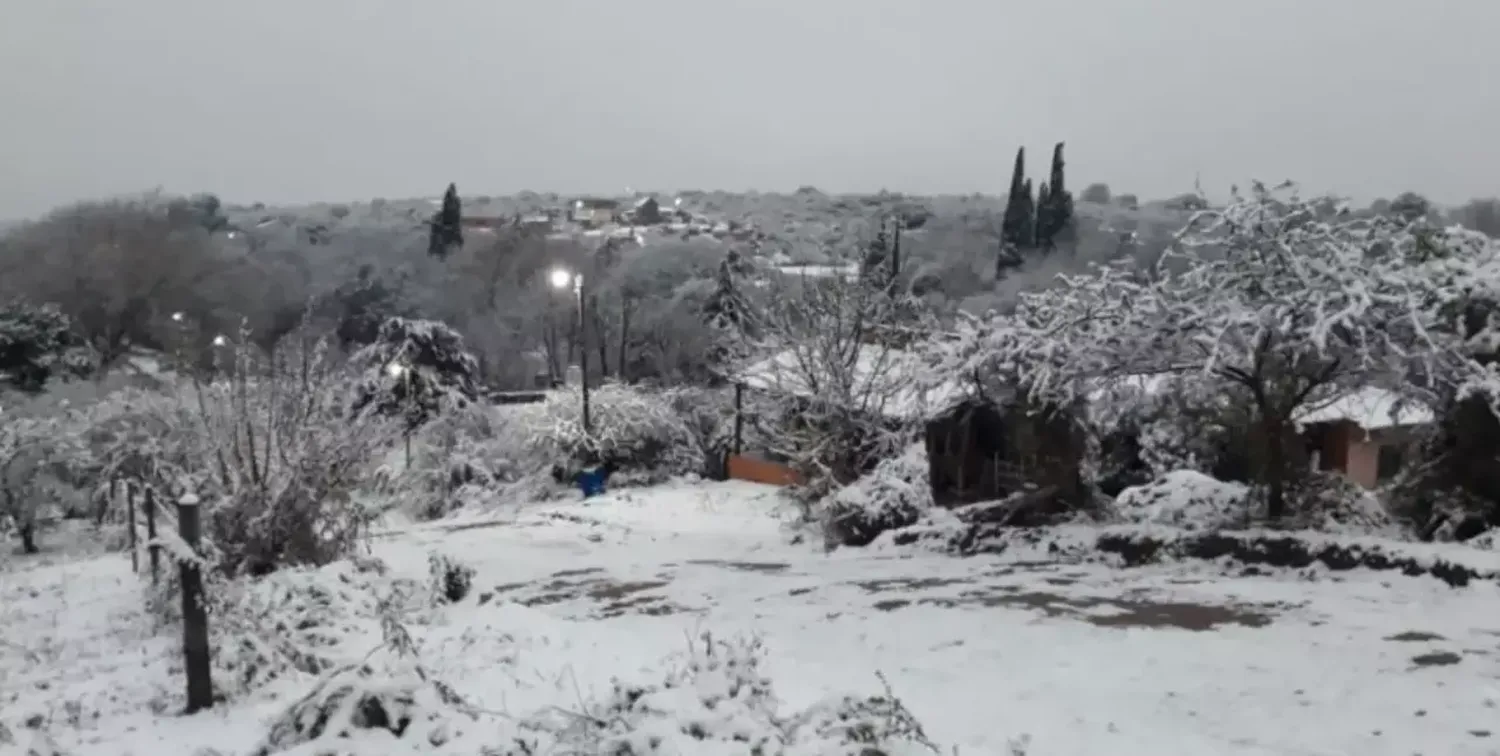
(713, 700)
(461, 458)
(893, 495)
(638, 429)
(1186, 499)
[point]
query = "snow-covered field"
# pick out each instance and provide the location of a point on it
(1084, 659)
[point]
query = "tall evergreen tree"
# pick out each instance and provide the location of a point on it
(446, 228)
(727, 311)
(1055, 213)
(1017, 219)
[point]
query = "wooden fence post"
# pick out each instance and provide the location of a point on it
(195, 651)
(152, 547)
(739, 417)
(135, 557)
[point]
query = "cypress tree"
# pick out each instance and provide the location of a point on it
(1043, 224)
(1016, 232)
(1055, 223)
(446, 227)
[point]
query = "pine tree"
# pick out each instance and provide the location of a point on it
(727, 312)
(446, 228)
(1015, 224)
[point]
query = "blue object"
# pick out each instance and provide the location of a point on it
(591, 482)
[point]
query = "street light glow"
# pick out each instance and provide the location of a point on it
(562, 278)
(395, 369)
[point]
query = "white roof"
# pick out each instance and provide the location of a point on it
(886, 379)
(1369, 408)
(848, 271)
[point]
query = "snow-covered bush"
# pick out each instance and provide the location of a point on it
(414, 370)
(381, 706)
(636, 428)
(270, 446)
(36, 453)
(1329, 502)
(462, 457)
(1186, 499)
(449, 579)
(717, 699)
(894, 495)
(299, 621)
(38, 344)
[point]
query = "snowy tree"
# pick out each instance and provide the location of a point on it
(728, 311)
(33, 449)
(838, 385)
(116, 268)
(414, 369)
(1268, 294)
(270, 446)
(446, 233)
(37, 344)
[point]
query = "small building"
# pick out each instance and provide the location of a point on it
(1363, 434)
(595, 211)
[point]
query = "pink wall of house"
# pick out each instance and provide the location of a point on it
(1363, 465)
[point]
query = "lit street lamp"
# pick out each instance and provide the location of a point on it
(563, 278)
(402, 373)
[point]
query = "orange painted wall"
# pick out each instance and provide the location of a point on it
(761, 471)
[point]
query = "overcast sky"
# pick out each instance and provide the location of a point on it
(300, 100)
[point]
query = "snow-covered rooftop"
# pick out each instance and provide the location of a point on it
(1369, 408)
(885, 380)
(849, 271)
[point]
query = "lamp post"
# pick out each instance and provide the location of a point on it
(562, 278)
(403, 373)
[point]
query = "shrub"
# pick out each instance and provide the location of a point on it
(450, 579)
(637, 429)
(270, 447)
(1186, 499)
(462, 457)
(894, 495)
(1331, 503)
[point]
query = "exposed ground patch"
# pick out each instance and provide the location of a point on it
(1132, 610)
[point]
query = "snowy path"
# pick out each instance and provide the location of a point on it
(1087, 660)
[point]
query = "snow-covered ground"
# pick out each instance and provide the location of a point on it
(1084, 659)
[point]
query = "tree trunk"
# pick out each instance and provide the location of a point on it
(1276, 458)
(28, 538)
(624, 336)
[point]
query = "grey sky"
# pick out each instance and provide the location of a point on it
(297, 100)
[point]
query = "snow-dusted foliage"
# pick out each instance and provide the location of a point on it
(893, 495)
(37, 344)
(1287, 298)
(270, 446)
(1331, 503)
(837, 386)
(716, 699)
(1186, 499)
(414, 369)
(461, 458)
(636, 428)
(36, 453)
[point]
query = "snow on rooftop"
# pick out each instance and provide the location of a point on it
(848, 271)
(886, 380)
(1369, 408)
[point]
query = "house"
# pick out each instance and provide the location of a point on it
(595, 211)
(1362, 434)
(482, 224)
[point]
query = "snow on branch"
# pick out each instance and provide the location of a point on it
(1282, 295)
